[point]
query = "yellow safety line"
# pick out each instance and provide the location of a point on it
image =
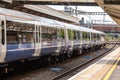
(111, 70)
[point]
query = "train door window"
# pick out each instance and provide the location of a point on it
(37, 34)
(78, 35)
(0, 32)
(88, 36)
(74, 35)
(84, 34)
(44, 36)
(3, 32)
(95, 35)
(58, 35)
(92, 36)
(70, 34)
(2, 24)
(62, 34)
(98, 36)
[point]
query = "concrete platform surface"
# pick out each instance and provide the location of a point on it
(98, 70)
(115, 73)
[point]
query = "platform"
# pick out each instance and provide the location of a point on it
(114, 72)
(100, 69)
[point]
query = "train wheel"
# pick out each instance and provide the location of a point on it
(84, 50)
(80, 51)
(53, 60)
(63, 57)
(49, 61)
(66, 57)
(103, 46)
(94, 48)
(69, 54)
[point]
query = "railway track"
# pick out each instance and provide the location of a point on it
(63, 67)
(76, 67)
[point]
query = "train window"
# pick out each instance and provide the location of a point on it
(98, 37)
(49, 36)
(11, 36)
(76, 35)
(84, 35)
(94, 36)
(25, 38)
(61, 34)
(102, 38)
(19, 32)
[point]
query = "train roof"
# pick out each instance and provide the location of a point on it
(32, 19)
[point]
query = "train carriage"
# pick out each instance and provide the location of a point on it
(24, 36)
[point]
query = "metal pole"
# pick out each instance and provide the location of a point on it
(76, 10)
(104, 17)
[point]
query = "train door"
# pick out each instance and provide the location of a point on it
(58, 41)
(66, 37)
(2, 38)
(80, 39)
(70, 39)
(37, 40)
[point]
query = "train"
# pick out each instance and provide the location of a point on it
(25, 36)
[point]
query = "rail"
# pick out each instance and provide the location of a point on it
(76, 67)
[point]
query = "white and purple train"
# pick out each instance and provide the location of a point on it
(24, 36)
